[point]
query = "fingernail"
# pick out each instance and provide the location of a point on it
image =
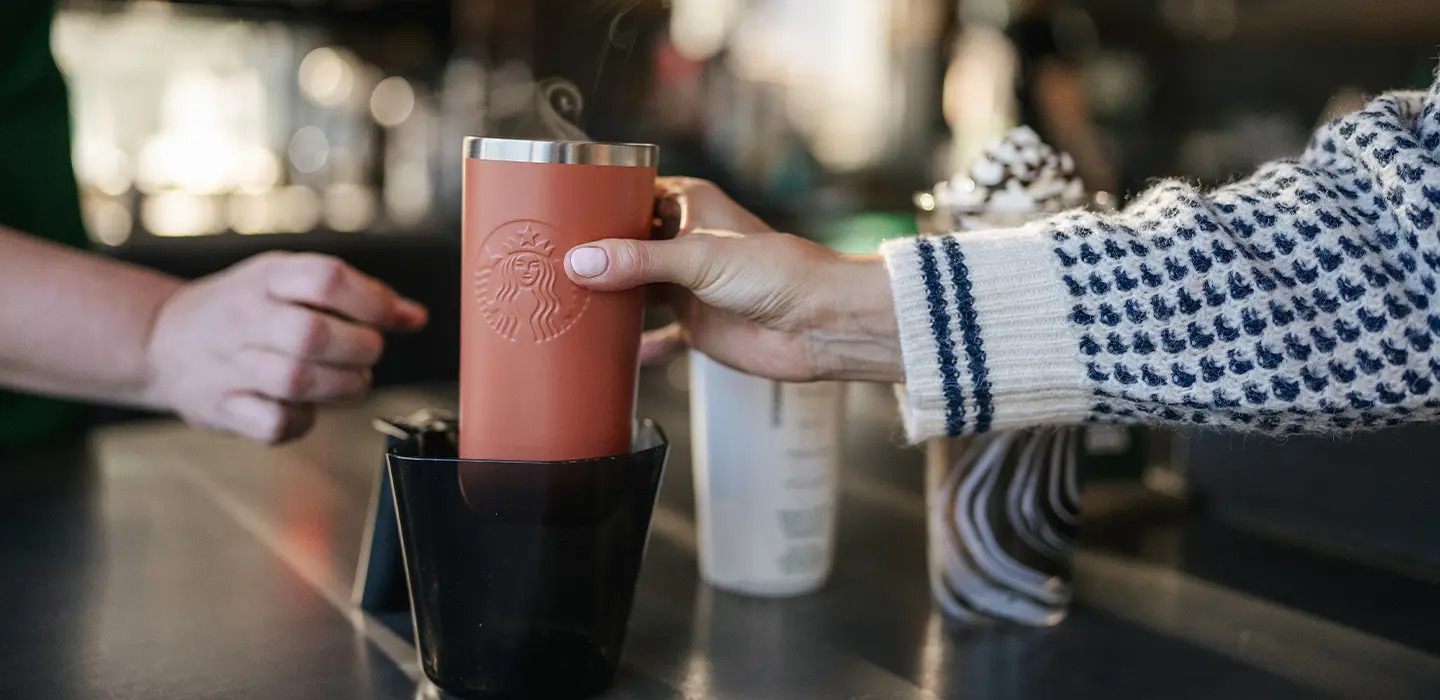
(412, 309)
(250, 410)
(589, 261)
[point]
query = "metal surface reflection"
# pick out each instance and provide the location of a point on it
(52, 501)
(778, 648)
(130, 577)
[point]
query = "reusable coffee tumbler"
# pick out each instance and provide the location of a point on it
(548, 368)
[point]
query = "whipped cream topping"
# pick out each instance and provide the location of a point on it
(1018, 174)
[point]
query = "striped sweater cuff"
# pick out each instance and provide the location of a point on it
(984, 335)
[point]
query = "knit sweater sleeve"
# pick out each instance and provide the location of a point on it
(1301, 299)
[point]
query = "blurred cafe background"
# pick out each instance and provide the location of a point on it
(208, 130)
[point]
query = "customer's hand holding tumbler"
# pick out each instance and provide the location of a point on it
(1164, 312)
(766, 303)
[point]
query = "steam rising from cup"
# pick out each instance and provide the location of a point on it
(558, 105)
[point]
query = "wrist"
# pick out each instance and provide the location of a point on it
(153, 391)
(854, 335)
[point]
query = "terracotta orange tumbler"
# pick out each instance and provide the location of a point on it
(547, 368)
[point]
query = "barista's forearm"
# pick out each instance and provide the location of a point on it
(75, 324)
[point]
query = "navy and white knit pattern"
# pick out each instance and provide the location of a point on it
(1302, 299)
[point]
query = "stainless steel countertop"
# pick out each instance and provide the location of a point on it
(159, 562)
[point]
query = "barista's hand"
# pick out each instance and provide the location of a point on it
(762, 302)
(252, 349)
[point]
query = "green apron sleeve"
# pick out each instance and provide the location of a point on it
(38, 194)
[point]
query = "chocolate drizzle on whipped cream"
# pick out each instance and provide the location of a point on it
(1019, 174)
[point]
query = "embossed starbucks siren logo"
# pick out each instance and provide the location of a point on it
(521, 284)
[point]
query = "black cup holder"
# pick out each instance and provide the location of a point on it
(521, 574)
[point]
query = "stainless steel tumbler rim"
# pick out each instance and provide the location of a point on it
(631, 155)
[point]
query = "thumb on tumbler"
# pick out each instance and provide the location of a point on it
(617, 264)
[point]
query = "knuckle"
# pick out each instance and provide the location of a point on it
(705, 272)
(695, 184)
(296, 379)
(272, 435)
(313, 335)
(632, 258)
(355, 384)
(270, 427)
(329, 277)
(281, 429)
(710, 259)
(290, 328)
(281, 377)
(783, 243)
(374, 345)
(787, 249)
(322, 274)
(361, 346)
